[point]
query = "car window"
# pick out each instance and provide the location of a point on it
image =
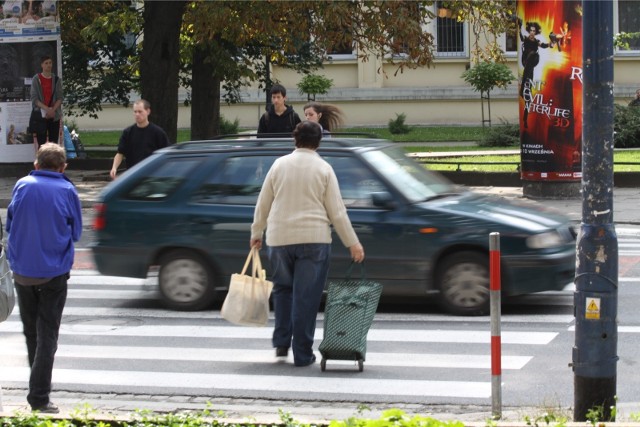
(237, 180)
(162, 181)
(356, 181)
(409, 177)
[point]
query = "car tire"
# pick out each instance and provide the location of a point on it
(463, 281)
(186, 281)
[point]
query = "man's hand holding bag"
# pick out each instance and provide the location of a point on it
(247, 302)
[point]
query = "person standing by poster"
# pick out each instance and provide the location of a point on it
(46, 100)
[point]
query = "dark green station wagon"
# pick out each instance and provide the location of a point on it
(188, 209)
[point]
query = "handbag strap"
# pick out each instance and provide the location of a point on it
(256, 265)
(246, 263)
(350, 269)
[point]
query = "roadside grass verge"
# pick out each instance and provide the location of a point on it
(417, 134)
(429, 138)
(484, 162)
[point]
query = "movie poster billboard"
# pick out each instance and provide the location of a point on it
(550, 89)
(29, 30)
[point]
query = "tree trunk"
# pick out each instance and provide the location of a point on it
(160, 62)
(205, 99)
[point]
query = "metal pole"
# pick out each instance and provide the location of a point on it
(496, 341)
(596, 296)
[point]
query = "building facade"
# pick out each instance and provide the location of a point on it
(427, 96)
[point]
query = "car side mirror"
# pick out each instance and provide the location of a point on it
(383, 199)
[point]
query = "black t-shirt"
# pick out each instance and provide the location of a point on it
(136, 143)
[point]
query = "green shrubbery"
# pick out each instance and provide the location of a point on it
(504, 135)
(398, 126)
(627, 127)
(85, 418)
(227, 127)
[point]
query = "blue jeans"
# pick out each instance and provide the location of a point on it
(299, 275)
(41, 313)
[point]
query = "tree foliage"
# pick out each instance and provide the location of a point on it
(485, 76)
(313, 84)
(99, 54)
(225, 45)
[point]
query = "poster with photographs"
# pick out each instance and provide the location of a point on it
(19, 62)
(29, 18)
(29, 31)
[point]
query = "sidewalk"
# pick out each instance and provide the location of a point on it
(625, 200)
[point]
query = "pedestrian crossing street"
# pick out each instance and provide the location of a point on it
(116, 337)
(120, 345)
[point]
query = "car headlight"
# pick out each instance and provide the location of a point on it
(546, 240)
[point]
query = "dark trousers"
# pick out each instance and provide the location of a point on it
(299, 275)
(52, 131)
(41, 312)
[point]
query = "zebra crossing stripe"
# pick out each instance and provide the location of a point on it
(387, 335)
(239, 355)
(264, 383)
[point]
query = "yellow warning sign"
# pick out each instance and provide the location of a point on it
(593, 308)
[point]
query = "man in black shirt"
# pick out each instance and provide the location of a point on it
(139, 140)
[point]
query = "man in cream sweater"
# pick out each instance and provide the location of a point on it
(299, 201)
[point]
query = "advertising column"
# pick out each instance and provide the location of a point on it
(550, 97)
(29, 30)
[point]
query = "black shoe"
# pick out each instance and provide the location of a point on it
(49, 408)
(282, 352)
(310, 362)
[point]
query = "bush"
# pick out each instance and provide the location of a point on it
(398, 126)
(626, 127)
(227, 127)
(504, 135)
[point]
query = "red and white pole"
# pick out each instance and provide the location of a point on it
(495, 307)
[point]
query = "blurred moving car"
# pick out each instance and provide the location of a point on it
(188, 209)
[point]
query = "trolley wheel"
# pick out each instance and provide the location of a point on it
(323, 364)
(360, 365)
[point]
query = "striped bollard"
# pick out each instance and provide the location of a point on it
(495, 307)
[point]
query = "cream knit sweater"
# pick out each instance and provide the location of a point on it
(299, 201)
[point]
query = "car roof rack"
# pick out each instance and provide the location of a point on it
(256, 135)
(340, 139)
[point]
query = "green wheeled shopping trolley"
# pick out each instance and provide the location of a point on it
(349, 311)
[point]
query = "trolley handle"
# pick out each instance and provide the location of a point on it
(350, 269)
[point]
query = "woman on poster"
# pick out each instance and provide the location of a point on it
(530, 58)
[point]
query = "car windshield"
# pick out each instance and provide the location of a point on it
(409, 177)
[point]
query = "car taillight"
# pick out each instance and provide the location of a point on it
(99, 220)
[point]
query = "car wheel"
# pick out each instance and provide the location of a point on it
(463, 280)
(186, 281)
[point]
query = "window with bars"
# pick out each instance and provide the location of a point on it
(449, 33)
(629, 22)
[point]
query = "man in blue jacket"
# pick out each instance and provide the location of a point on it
(44, 218)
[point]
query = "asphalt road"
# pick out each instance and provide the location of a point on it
(119, 349)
